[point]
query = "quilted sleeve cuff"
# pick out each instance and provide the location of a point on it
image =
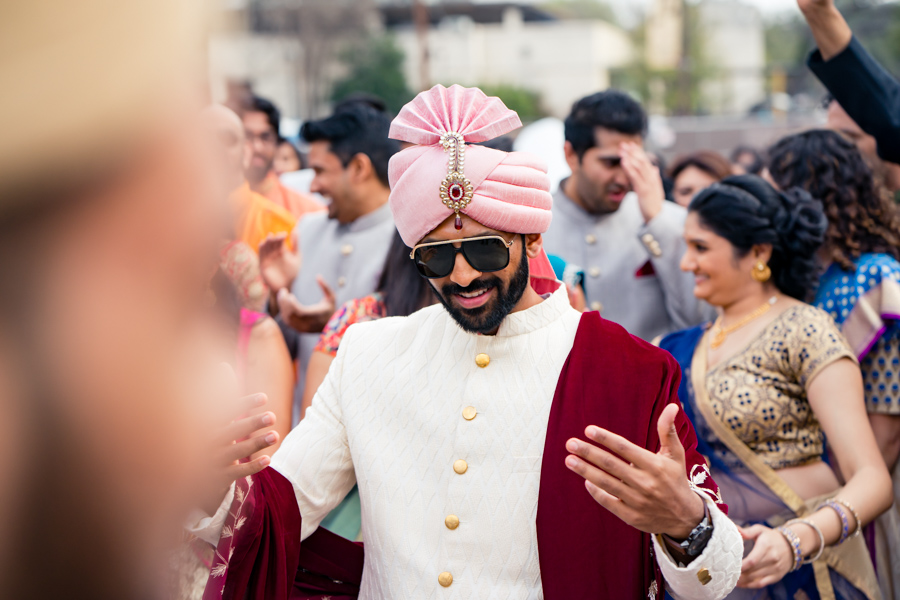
(713, 574)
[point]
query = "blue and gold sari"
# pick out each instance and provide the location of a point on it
(752, 418)
(865, 304)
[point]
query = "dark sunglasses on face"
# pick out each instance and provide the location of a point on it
(487, 253)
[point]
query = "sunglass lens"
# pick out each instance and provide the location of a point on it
(435, 261)
(486, 255)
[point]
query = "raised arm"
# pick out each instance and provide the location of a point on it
(830, 30)
(863, 88)
(663, 237)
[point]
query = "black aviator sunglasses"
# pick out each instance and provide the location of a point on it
(485, 253)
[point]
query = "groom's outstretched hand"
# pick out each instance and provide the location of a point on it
(648, 491)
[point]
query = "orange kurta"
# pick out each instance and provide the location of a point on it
(294, 202)
(256, 217)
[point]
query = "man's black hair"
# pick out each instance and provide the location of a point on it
(273, 115)
(357, 129)
(610, 109)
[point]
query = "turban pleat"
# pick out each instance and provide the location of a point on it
(511, 190)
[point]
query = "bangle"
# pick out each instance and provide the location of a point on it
(794, 542)
(859, 523)
(818, 531)
(842, 514)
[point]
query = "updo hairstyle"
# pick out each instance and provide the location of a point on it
(745, 210)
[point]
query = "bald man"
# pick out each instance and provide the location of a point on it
(255, 217)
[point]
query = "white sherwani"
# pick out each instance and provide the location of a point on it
(394, 415)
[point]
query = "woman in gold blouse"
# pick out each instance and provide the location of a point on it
(765, 383)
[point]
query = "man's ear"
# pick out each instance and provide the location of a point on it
(360, 168)
(572, 158)
(533, 244)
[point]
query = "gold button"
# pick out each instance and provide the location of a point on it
(647, 238)
(445, 579)
(704, 576)
(452, 521)
(655, 250)
(460, 466)
(469, 413)
(482, 360)
(590, 238)
(596, 306)
(346, 249)
(342, 281)
(594, 272)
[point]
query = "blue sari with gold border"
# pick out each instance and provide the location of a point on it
(840, 575)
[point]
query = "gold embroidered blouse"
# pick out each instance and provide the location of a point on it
(761, 392)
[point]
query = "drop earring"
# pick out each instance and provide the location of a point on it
(761, 272)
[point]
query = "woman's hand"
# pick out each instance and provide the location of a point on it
(236, 442)
(279, 263)
(770, 560)
(311, 318)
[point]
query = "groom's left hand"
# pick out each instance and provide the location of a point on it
(648, 491)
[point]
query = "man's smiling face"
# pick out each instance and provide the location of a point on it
(478, 301)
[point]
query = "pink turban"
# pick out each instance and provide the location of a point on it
(506, 191)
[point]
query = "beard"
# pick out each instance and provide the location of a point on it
(487, 318)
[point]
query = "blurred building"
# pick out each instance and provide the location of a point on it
(734, 49)
(664, 35)
(264, 63)
(725, 45)
(286, 51)
(513, 44)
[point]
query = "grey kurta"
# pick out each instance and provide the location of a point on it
(349, 257)
(614, 250)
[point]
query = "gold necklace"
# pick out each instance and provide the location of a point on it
(720, 333)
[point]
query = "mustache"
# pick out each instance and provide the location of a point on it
(478, 284)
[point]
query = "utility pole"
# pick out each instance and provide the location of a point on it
(684, 77)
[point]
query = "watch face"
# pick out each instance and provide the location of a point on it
(699, 538)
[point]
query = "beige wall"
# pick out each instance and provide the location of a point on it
(562, 60)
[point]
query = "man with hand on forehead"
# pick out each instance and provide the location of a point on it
(504, 444)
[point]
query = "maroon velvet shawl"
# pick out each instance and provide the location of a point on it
(621, 383)
(260, 556)
(610, 379)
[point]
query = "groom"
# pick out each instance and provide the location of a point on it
(504, 444)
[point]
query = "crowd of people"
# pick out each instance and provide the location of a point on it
(226, 358)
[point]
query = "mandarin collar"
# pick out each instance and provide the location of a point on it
(551, 309)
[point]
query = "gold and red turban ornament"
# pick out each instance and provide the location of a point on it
(456, 189)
